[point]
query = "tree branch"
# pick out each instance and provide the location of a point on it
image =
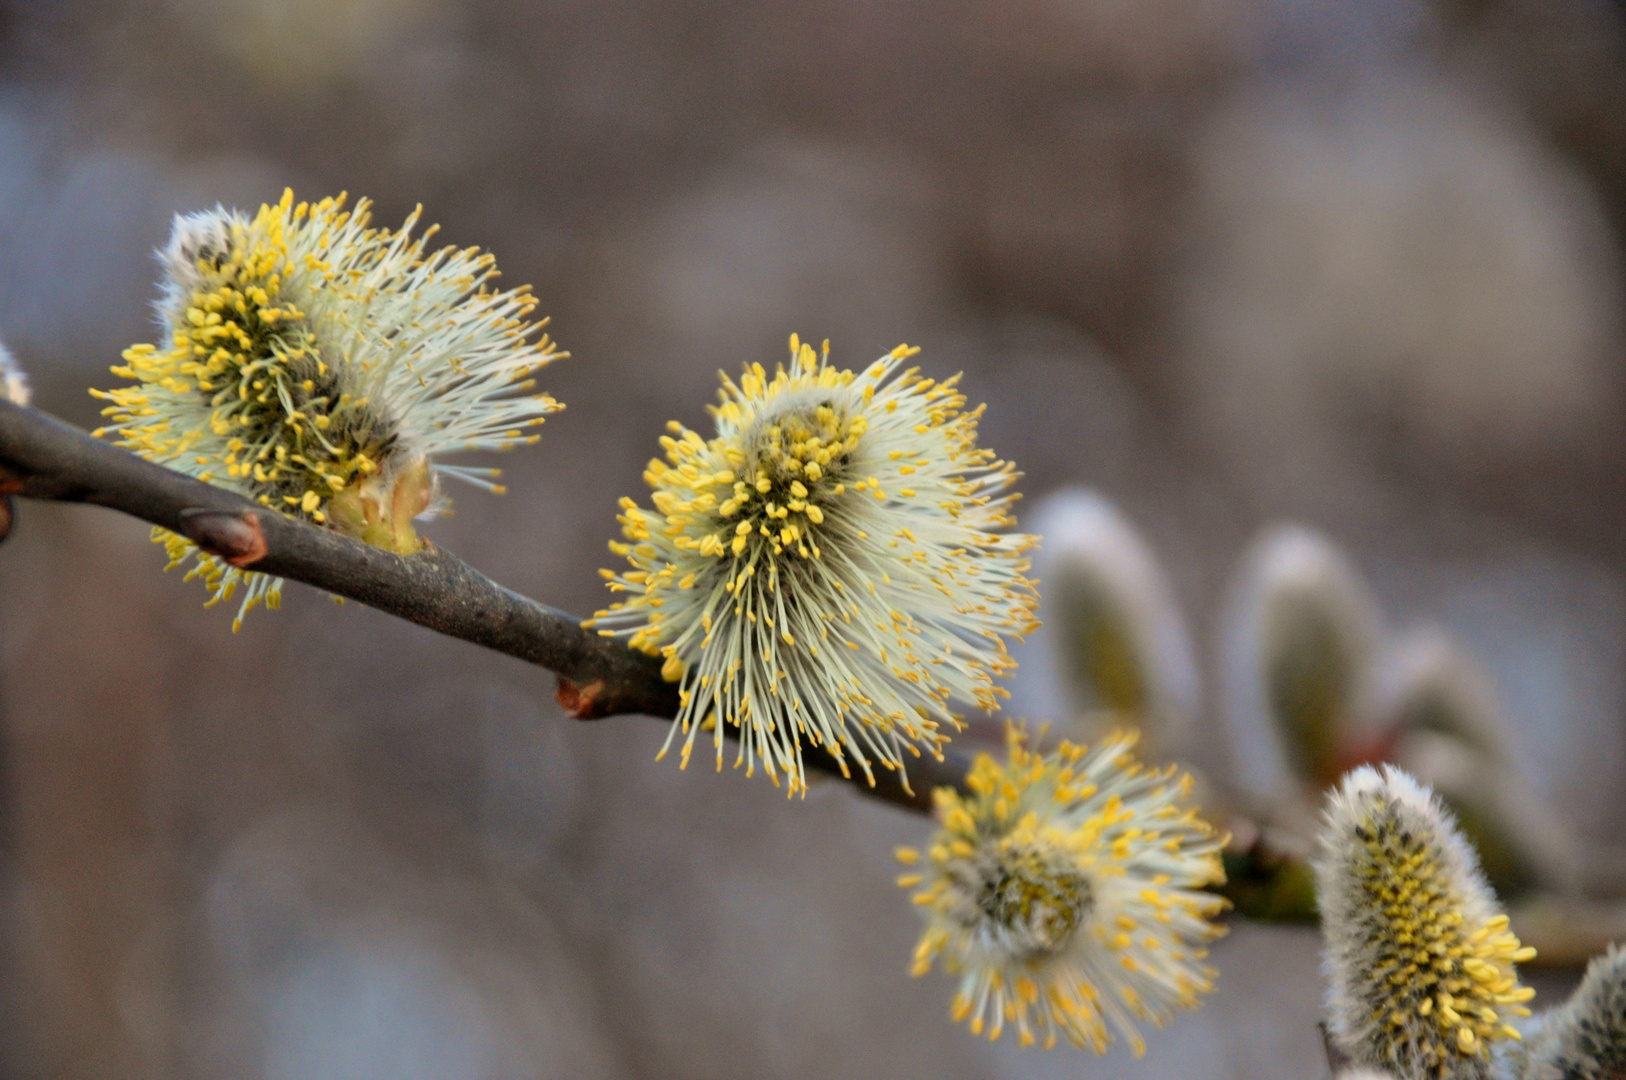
(43, 458)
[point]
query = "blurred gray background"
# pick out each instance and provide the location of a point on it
(1352, 263)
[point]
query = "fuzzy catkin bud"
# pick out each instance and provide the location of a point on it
(1300, 627)
(1585, 1039)
(1120, 647)
(1420, 962)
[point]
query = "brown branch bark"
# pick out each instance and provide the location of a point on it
(43, 458)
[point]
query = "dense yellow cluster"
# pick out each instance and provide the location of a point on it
(826, 568)
(1066, 892)
(797, 461)
(1429, 960)
(1420, 959)
(319, 366)
(283, 423)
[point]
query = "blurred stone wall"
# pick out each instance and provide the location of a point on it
(1226, 260)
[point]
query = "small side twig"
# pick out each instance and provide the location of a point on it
(1337, 1060)
(43, 458)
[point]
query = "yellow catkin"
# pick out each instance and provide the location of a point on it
(797, 600)
(320, 366)
(1065, 890)
(1423, 966)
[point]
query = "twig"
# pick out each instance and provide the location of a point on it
(1337, 1060)
(43, 458)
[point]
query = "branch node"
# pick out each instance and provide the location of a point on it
(581, 702)
(233, 536)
